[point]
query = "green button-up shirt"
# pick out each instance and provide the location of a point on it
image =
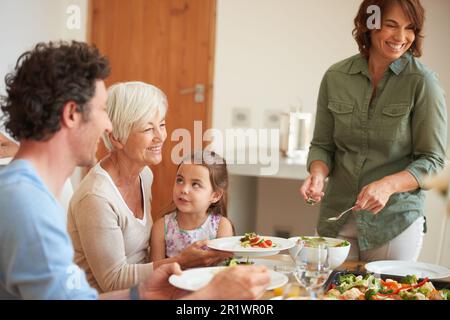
(404, 127)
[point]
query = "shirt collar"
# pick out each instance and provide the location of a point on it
(399, 65)
(360, 65)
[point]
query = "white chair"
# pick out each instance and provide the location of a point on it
(66, 195)
(5, 161)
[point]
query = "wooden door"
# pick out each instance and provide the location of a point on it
(170, 44)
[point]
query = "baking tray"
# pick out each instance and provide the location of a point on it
(334, 279)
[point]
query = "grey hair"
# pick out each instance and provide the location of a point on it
(131, 106)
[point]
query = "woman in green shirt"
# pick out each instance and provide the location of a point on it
(381, 127)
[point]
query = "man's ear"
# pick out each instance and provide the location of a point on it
(70, 116)
(115, 143)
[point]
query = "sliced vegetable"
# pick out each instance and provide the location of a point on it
(251, 239)
(409, 279)
(445, 294)
(343, 244)
(369, 294)
(230, 262)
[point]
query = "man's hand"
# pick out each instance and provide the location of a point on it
(236, 283)
(157, 286)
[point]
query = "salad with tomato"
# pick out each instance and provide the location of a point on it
(255, 241)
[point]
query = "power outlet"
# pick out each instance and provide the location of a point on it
(240, 117)
(272, 119)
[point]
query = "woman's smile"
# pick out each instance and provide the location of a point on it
(155, 149)
(396, 47)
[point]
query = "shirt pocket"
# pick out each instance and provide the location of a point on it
(343, 117)
(394, 122)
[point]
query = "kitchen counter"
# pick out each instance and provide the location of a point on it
(288, 168)
(255, 198)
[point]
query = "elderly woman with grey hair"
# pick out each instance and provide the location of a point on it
(109, 217)
(8, 148)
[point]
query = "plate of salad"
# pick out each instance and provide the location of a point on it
(251, 244)
(314, 242)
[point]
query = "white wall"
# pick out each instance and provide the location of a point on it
(270, 53)
(437, 43)
(24, 23)
(436, 245)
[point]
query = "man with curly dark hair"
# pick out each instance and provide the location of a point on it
(56, 108)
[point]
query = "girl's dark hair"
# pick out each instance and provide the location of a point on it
(218, 176)
(44, 80)
(412, 8)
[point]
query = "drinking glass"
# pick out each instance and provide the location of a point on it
(312, 268)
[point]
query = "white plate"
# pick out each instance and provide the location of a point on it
(194, 279)
(233, 244)
(403, 268)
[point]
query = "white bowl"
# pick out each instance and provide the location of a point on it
(337, 254)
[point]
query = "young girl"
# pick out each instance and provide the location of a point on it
(200, 198)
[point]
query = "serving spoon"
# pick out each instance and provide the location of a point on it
(341, 214)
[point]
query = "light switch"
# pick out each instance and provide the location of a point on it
(240, 117)
(272, 119)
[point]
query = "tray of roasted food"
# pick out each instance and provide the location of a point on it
(344, 285)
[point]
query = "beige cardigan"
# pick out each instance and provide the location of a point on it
(110, 243)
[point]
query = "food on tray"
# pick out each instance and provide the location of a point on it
(253, 240)
(314, 242)
(352, 287)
